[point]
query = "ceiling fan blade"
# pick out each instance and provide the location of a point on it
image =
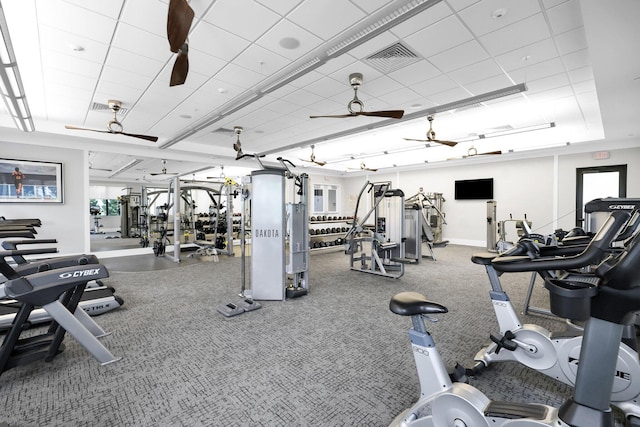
(134, 135)
(145, 137)
(449, 143)
(392, 114)
(314, 161)
(179, 21)
(337, 116)
(180, 68)
(92, 130)
(490, 153)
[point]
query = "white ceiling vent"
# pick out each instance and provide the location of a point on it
(97, 106)
(392, 58)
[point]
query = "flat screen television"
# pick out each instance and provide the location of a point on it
(474, 189)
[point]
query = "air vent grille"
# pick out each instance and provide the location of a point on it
(392, 58)
(97, 106)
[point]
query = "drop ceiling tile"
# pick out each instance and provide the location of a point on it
(532, 54)
(326, 87)
(111, 90)
(126, 60)
(461, 4)
(571, 41)
(552, 3)
(537, 71)
(547, 83)
(246, 19)
(76, 20)
(459, 56)
(439, 37)
(584, 86)
(475, 72)
(490, 84)
(404, 98)
(435, 85)
(564, 17)
(57, 40)
(326, 18)
(216, 41)
(285, 29)
(335, 64)
(303, 98)
(516, 36)
(382, 86)
(202, 63)
(451, 95)
(415, 73)
(577, 59)
(141, 42)
(148, 15)
(281, 7)
(581, 74)
(110, 8)
(422, 20)
(125, 78)
(69, 63)
(370, 6)
(480, 20)
(57, 77)
(261, 60)
(239, 76)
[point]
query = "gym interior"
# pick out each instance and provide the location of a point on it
(264, 258)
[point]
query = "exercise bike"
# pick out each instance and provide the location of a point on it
(556, 354)
(612, 300)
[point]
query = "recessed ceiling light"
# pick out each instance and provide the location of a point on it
(415, 106)
(499, 13)
(76, 47)
(222, 90)
(290, 43)
(185, 116)
(526, 58)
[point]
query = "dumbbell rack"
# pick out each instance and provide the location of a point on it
(327, 232)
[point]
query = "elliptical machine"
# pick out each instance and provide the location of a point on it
(556, 354)
(610, 302)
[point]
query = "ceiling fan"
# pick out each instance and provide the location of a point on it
(473, 152)
(238, 145)
(431, 136)
(164, 170)
(364, 168)
(114, 126)
(356, 106)
(179, 21)
(312, 159)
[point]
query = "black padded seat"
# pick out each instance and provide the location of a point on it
(483, 258)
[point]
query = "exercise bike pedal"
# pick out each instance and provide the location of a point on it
(504, 341)
(459, 374)
(296, 292)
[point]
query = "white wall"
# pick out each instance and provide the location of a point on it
(67, 222)
(543, 188)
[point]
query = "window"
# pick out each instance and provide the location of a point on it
(108, 207)
(325, 198)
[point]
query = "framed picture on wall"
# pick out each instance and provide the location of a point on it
(26, 181)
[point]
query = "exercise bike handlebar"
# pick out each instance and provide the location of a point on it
(593, 253)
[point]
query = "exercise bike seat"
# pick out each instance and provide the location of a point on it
(413, 303)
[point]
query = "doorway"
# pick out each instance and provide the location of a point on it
(598, 182)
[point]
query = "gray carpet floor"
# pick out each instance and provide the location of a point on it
(335, 357)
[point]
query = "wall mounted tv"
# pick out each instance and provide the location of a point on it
(474, 189)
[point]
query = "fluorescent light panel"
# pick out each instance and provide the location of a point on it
(10, 81)
(126, 167)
